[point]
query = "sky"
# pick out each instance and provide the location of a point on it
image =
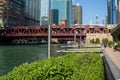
(91, 8)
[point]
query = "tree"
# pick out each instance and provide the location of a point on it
(92, 41)
(105, 42)
(97, 41)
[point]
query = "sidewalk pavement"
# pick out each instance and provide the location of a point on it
(114, 55)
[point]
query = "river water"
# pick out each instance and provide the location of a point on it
(11, 56)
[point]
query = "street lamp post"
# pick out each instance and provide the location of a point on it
(75, 38)
(49, 30)
(49, 40)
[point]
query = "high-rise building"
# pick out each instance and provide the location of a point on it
(32, 12)
(44, 21)
(96, 19)
(69, 12)
(77, 14)
(44, 17)
(63, 8)
(111, 12)
(118, 11)
(11, 13)
(54, 15)
(106, 18)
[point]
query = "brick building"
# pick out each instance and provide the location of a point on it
(11, 13)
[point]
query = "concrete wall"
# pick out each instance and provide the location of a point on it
(54, 40)
(91, 36)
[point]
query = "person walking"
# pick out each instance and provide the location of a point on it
(115, 46)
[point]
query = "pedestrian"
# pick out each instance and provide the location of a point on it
(115, 46)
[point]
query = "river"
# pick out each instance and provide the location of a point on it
(11, 56)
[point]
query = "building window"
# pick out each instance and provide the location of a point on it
(5, 21)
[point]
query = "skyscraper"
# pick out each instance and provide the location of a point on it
(77, 14)
(32, 12)
(69, 12)
(118, 11)
(64, 10)
(11, 13)
(111, 12)
(54, 13)
(44, 17)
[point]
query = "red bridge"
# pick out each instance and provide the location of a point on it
(60, 33)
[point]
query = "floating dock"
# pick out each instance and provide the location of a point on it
(81, 50)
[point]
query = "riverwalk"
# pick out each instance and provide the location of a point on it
(114, 55)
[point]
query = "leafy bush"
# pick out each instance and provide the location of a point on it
(92, 41)
(105, 41)
(110, 43)
(118, 44)
(70, 67)
(97, 41)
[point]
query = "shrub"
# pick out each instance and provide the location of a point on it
(92, 41)
(97, 41)
(70, 67)
(105, 41)
(118, 44)
(110, 43)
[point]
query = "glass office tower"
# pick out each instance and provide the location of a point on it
(63, 9)
(32, 12)
(69, 12)
(44, 17)
(118, 10)
(77, 14)
(111, 12)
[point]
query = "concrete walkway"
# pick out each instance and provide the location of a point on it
(114, 55)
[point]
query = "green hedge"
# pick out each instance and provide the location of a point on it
(72, 66)
(97, 41)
